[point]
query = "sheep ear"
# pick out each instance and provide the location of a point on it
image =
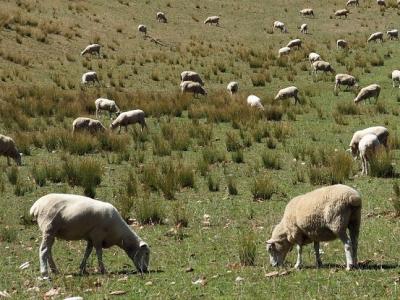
(21, 154)
(348, 150)
(143, 244)
(271, 241)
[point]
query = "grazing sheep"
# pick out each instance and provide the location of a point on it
(312, 57)
(371, 91)
(321, 215)
(233, 87)
(381, 132)
(381, 2)
(393, 34)
(341, 44)
(396, 77)
(143, 29)
(129, 117)
(289, 92)
(92, 49)
(88, 124)
(281, 26)
(161, 17)
(323, 66)
(9, 149)
(212, 20)
(192, 87)
(294, 43)
(346, 80)
(284, 51)
(307, 12)
(304, 28)
(353, 2)
(90, 77)
(73, 217)
(191, 76)
(375, 37)
(341, 12)
(254, 101)
(367, 148)
(107, 105)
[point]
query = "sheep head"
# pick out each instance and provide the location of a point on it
(278, 246)
(140, 256)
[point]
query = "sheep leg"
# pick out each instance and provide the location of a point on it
(126, 128)
(354, 229)
(119, 131)
(99, 253)
(299, 259)
(47, 243)
(348, 250)
(8, 160)
(317, 255)
(88, 251)
(97, 113)
(52, 264)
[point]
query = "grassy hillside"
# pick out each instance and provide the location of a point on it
(209, 179)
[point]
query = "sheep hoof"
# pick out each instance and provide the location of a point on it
(297, 266)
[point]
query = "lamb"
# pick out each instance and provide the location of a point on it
(129, 117)
(312, 57)
(341, 12)
(73, 217)
(381, 2)
(307, 12)
(323, 66)
(367, 148)
(375, 37)
(396, 77)
(353, 2)
(281, 26)
(9, 149)
(393, 34)
(284, 51)
(107, 105)
(191, 76)
(304, 28)
(192, 87)
(232, 87)
(92, 49)
(289, 92)
(90, 77)
(254, 101)
(212, 20)
(160, 16)
(143, 29)
(341, 44)
(371, 91)
(88, 124)
(381, 132)
(321, 215)
(294, 43)
(345, 79)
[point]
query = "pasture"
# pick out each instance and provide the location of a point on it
(206, 183)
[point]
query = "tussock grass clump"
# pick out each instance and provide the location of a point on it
(381, 164)
(149, 210)
(263, 187)
(202, 132)
(232, 186)
(177, 135)
(212, 155)
(161, 146)
(273, 113)
(247, 246)
(185, 175)
(112, 142)
(39, 175)
(396, 199)
(180, 214)
(13, 174)
(213, 183)
(232, 141)
(347, 108)
(8, 234)
(271, 160)
(238, 156)
(150, 175)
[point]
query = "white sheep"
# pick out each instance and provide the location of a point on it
(307, 12)
(9, 149)
(313, 57)
(371, 91)
(341, 12)
(304, 28)
(381, 132)
(323, 66)
(377, 36)
(192, 87)
(254, 101)
(83, 123)
(91, 49)
(289, 92)
(106, 105)
(160, 16)
(393, 34)
(280, 25)
(74, 217)
(353, 2)
(284, 51)
(341, 44)
(143, 29)
(233, 87)
(90, 77)
(367, 148)
(321, 215)
(129, 117)
(212, 20)
(294, 43)
(191, 76)
(381, 2)
(346, 80)
(396, 77)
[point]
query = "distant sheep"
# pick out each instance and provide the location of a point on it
(289, 92)
(371, 91)
(92, 49)
(284, 51)
(307, 12)
(294, 43)
(192, 87)
(323, 66)
(233, 87)
(377, 36)
(304, 28)
(191, 76)
(341, 12)
(367, 149)
(88, 124)
(212, 20)
(160, 16)
(381, 132)
(90, 77)
(313, 57)
(143, 29)
(107, 105)
(341, 44)
(393, 34)
(346, 80)
(254, 101)
(73, 217)
(353, 2)
(281, 26)
(9, 149)
(381, 2)
(128, 118)
(396, 77)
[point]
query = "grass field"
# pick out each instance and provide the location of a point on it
(211, 177)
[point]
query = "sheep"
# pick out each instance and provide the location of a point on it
(9, 149)
(88, 124)
(371, 91)
(192, 87)
(375, 37)
(393, 34)
(90, 77)
(396, 77)
(307, 12)
(381, 132)
(289, 92)
(232, 87)
(353, 2)
(398, 2)
(367, 148)
(129, 117)
(160, 16)
(313, 57)
(323, 66)
(284, 51)
(381, 2)
(341, 44)
(304, 28)
(281, 26)
(294, 43)
(341, 12)
(254, 101)
(92, 49)
(143, 29)
(107, 105)
(191, 76)
(345, 79)
(73, 217)
(321, 215)
(212, 20)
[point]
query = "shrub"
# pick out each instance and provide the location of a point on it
(247, 245)
(271, 160)
(381, 164)
(263, 188)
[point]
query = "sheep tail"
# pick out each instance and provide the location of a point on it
(355, 200)
(34, 211)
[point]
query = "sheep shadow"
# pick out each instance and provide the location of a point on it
(367, 265)
(122, 272)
